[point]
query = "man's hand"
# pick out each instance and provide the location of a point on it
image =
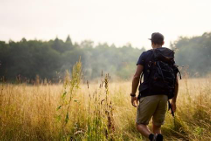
(173, 106)
(134, 101)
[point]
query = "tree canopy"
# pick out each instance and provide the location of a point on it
(50, 59)
(27, 59)
(194, 54)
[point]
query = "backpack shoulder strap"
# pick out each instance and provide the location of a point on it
(177, 71)
(141, 77)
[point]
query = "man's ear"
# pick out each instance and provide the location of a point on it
(163, 43)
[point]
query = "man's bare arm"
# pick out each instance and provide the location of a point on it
(135, 82)
(136, 78)
(174, 99)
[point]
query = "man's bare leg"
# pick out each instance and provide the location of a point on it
(156, 129)
(157, 132)
(143, 129)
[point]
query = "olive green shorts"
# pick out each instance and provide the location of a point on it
(152, 107)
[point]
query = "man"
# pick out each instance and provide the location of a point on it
(152, 104)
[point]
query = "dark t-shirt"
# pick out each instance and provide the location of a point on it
(146, 59)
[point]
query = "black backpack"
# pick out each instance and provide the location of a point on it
(163, 72)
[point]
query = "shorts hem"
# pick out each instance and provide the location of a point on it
(142, 123)
(157, 124)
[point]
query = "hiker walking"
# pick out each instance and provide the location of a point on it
(160, 84)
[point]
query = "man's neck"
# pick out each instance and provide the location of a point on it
(157, 46)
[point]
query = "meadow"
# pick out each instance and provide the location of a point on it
(81, 110)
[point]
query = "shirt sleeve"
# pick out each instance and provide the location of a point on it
(141, 59)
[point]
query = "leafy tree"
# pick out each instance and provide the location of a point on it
(26, 59)
(194, 54)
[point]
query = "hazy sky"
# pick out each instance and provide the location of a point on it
(112, 21)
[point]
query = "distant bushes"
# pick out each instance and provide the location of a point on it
(24, 60)
(195, 54)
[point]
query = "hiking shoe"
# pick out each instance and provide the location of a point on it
(158, 137)
(152, 137)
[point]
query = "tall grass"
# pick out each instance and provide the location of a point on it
(96, 111)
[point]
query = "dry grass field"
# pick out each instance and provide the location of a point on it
(99, 111)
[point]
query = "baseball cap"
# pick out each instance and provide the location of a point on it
(157, 38)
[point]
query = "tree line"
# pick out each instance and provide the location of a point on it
(194, 54)
(28, 59)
